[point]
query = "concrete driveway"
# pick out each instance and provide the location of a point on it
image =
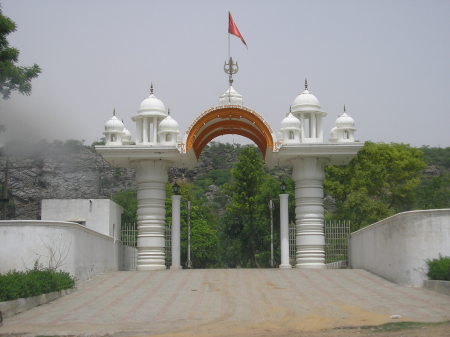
(228, 302)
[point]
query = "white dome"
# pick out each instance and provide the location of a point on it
(290, 122)
(126, 138)
(152, 106)
(114, 125)
(169, 124)
(231, 97)
(344, 121)
(306, 99)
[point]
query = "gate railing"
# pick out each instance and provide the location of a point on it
(128, 239)
(337, 234)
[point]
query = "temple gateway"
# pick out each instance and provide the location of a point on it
(158, 145)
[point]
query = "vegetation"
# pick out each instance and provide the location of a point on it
(13, 77)
(33, 282)
(439, 269)
(380, 181)
(230, 189)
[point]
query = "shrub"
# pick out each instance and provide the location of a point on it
(37, 281)
(439, 269)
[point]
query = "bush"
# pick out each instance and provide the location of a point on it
(37, 281)
(439, 269)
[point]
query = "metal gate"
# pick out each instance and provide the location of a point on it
(337, 234)
(128, 254)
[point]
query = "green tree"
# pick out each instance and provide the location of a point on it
(434, 192)
(128, 200)
(380, 181)
(13, 77)
(245, 226)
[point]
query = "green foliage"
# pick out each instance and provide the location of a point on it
(33, 282)
(380, 181)
(246, 224)
(204, 236)
(13, 77)
(439, 269)
(434, 192)
(128, 200)
(437, 156)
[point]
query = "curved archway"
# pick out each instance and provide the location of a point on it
(225, 120)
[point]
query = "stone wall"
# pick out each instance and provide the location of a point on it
(397, 247)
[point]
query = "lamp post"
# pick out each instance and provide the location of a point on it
(284, 227)
(176, 197)
(271, 232)
(189, 263)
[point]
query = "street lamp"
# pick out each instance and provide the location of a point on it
(283, 187)
(176, 188)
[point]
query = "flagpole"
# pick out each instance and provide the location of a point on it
(229, 53)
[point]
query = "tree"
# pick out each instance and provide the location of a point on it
(128, 200)
(13, 77)
(245, 225)
(380, 181)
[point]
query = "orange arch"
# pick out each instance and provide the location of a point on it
(228, 120)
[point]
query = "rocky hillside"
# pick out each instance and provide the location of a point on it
(71, 170)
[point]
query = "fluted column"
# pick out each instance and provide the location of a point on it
(151, 178)
(308, 175)
(176, 232)
(284, 231)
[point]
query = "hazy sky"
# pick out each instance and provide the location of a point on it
(388, 61)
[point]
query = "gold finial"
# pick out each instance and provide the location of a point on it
(151, 88)
(306, 83)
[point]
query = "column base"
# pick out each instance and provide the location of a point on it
(175, 267)
(143, 268)
(285, 266)
(311, 266)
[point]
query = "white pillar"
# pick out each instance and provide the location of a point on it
(155, 130)
(308, 175)
(313, 126)
(139, 131)
(151, 178)
(145, 130)
(284, 231)
(176, 232)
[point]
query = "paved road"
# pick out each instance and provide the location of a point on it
(228, 303)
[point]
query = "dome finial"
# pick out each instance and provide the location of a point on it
(168, 111)
(151, 88)
(306, 83)
(114, 111)
(344, 108)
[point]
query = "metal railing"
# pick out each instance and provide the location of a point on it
(337, 234)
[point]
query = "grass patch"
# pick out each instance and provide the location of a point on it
(36, 281)
(398, 326)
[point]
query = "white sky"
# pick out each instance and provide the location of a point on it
(388, 61)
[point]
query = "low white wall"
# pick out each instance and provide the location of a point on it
(100, 215)
(74, 248)
(397, 247)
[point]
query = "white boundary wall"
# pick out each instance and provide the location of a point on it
(397, 247)
(81, 251)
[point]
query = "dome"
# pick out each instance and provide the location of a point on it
(290, 122)
(169, 124)
(344, 121)
(306, 99)
(231, 97)
(306, 102)
(126, 138)
(152, 106)
(114, 125)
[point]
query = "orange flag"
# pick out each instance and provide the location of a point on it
(233, 29)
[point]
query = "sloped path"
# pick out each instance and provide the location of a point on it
(228, 302)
